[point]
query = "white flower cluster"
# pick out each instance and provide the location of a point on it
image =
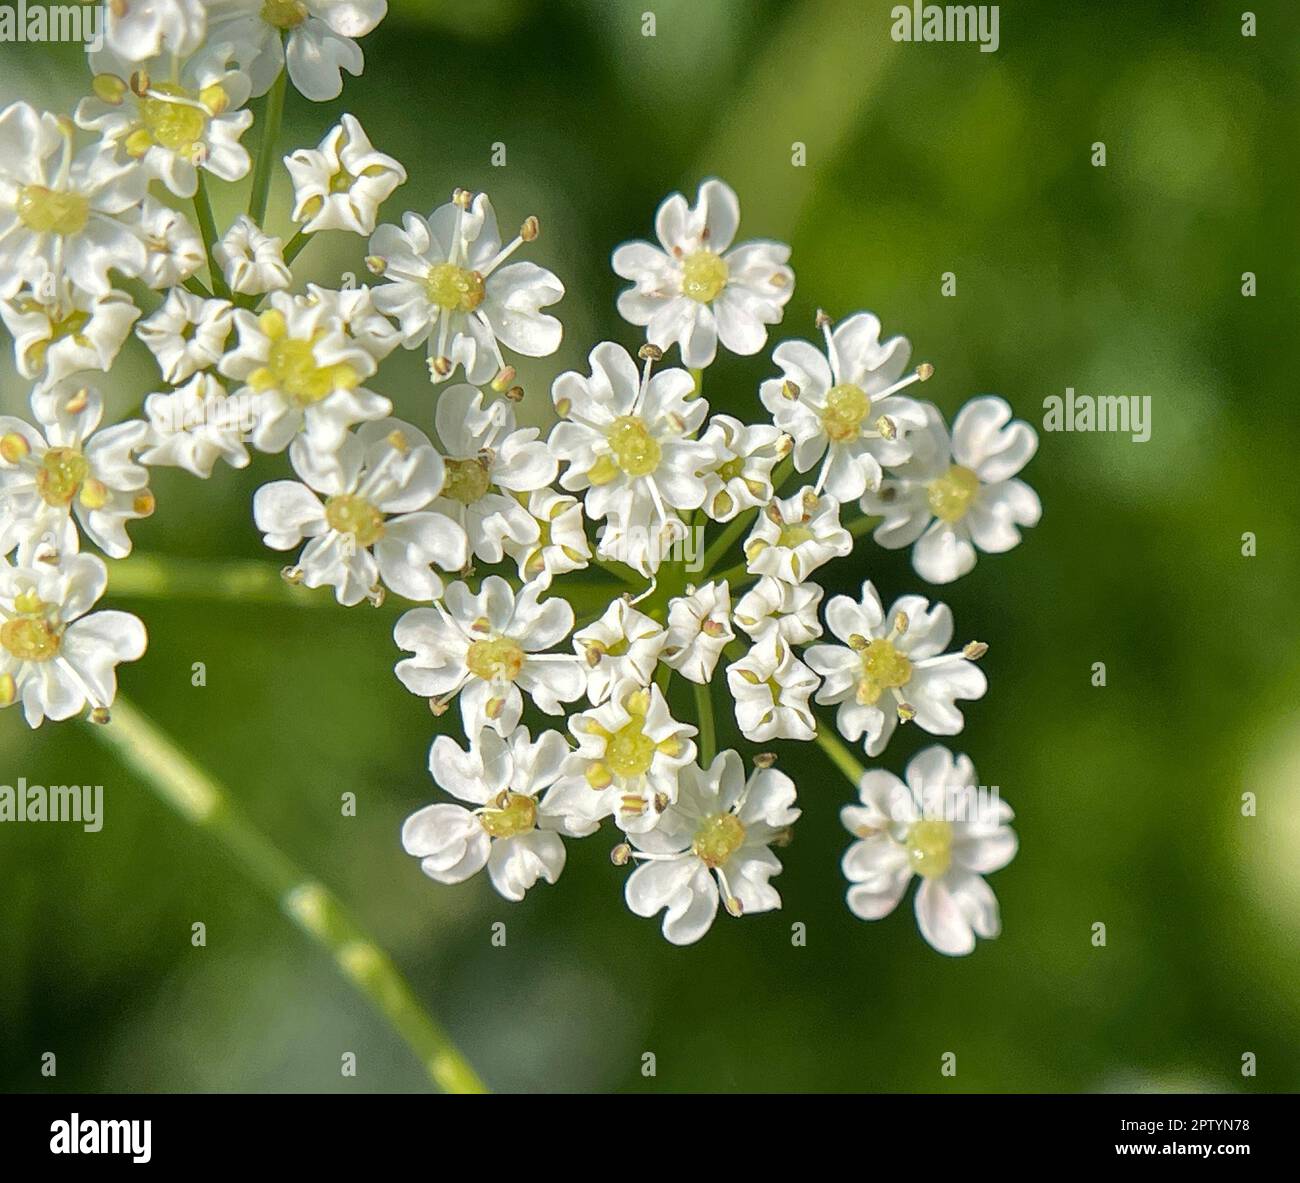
(636, 478)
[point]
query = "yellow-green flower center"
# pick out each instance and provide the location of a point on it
(454, 289)
(30, 636)
(794, 534)
(492, 660)
(176, 126)
(291, 366)
(284, 14)
(49, 211)
(704, 275)
(629, 751)
(951, 495)
(517, 816)
(636, 451)
(718, 838)
(847, 408)
(929, 847)
(883, 668)
(466, 481)
(349, 514)
(60, 475)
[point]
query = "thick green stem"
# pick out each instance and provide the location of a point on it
(272, 115)
(208, 228)
(623, 572)
(838, 751)
(202, 802)
(704, 709)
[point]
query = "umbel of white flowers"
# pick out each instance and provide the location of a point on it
(477, 520)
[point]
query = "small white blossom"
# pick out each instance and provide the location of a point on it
(173, 245)
(788, 608)
(488, 462)
(957, 495)
(355, 312)
(60, 330)
(771, 688)
(139, 30)
(935, 826)
(623, 645)
(894, 668)
(717, 834)
(744, 455)
(487, 648)
(195, 425)
(793, 537)
(188, 333)
(56, 656)
(561, 543)
(446, 286)
(367, 513)
(341, 184)
(70, 469)
(699, 628)
(630, 753)
(844, 404)
(692, 290)
(514, 831)
(251, 261)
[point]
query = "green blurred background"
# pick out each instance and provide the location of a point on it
(922, 159)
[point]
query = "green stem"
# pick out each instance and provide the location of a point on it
(272, 115)
(829, 741)
(621, 571)
(294, 246)
(202, 802)
(723, 542)
(704, 709)
(208, 228)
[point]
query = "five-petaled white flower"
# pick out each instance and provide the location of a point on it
(56, 656)
(376, 523)
(626, 437)
(894, 668)
(487, 648)
(61, 211)
(514, 831)
(173, 246)
(692, 290)
(446, 286)
(60, 330)
(844, 404)
(791, 538)
(957, 495)
(71, 469)
(630, 753)
(788, 608)
(717, 834)
(941, 826)
(187, 333)
(313, 38)
(623, 645)
(341, 184)
(699, 628)
(771, 688)
(489, 463)
(744, 456)
(561, 544)
(195, 425)
(355, 312)
(251, 261)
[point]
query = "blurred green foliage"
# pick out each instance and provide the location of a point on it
(922, 159)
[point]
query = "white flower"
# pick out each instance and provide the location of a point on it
(71, 469)
(196, 425)
(60, 330)
(487, 648)
(514, 832)
(183, 120)
(173, 246)
(699, 628)
(721, 827)
(894, 668)
(251, 261)
(354, 310)
(446, 286)
(954, 496)
(626, 438)
(561, 543)
(793, 537)
(187, 333)
(771, 688)
(744, 455)
(940, 826)
(844, 404)
(62, 213)
(376, 522)
(139, 30)
(630, 752)
(341, 184)
(623, 645)
(314, 37)
(488, 461)
(54, 658)
(694, 291)
(308, 372)
(788, 608)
